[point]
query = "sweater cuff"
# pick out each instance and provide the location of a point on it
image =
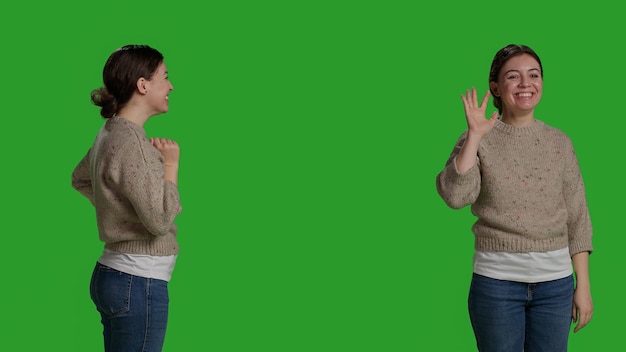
(580, 245)
(463, 178)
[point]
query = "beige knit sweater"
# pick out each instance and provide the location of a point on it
(122, 176)
(525, 189)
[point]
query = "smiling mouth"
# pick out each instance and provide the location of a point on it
(524, 95)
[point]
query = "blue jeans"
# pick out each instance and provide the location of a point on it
(133, 310)
(514, 316)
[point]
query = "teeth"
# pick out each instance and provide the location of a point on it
(525, 95)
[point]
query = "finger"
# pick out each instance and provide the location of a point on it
(583, 319)
(493, 118)
(474, 97)
(465, 101)
(581, 324)
(483, 103)
(155, 142)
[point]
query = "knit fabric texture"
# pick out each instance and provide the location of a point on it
(525, 189)
(122, 176)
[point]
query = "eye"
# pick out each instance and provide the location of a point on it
(513, 76)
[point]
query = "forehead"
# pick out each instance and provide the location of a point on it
(161, 69)
(522, 62)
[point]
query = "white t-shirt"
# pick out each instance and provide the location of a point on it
(153, 267)
(529, 267)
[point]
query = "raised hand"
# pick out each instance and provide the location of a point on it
(477, 123)
(477, 127)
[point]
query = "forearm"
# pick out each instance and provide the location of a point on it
(582, 309)
(581, 270)
(171, 173)
(466, 159)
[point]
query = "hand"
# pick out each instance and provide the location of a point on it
(582, 309)
(168, 148)
(477, 124)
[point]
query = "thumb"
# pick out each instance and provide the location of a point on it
(493, 118)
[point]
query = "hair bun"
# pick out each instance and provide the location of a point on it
(102, 98)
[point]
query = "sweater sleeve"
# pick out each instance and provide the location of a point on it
(459, 189)
(155, 200)
(81, 178)
(578, 220)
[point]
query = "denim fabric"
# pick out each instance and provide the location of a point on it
(510, 316)
(133, 309)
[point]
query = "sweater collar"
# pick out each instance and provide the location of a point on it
(510, 129)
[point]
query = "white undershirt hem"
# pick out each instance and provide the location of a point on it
(148, 266)
(531, 267)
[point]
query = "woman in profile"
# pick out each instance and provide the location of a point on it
(132, 182)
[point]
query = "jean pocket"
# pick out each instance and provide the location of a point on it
(110, 290)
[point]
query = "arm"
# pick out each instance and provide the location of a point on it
(459, 190)
(171, 152)
(478, 127)
(582, 309)
(81, 178)
(580, 233)
(151, 190)
(459, 183)
(579, 228)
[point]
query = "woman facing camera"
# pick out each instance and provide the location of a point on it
(522, 180)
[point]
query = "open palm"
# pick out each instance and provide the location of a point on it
(477, 123)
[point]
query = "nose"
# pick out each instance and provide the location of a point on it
(524, 82)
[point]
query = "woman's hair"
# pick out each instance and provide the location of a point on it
(120, 74)
(502, 56)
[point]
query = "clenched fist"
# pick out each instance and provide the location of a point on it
(168, 148)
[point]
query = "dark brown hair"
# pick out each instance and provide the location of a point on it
(502, 56)
(120, 74)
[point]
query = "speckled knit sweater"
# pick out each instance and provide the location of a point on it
(525, 189)
(122, 176)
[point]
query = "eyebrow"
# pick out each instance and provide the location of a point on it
(515, 70)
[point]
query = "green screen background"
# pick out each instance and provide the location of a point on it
(311, 133)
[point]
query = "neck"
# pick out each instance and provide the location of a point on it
(513, 119)
(134, 114)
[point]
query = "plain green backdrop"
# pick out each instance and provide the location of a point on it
(311, 133)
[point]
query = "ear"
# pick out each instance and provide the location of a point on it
(142, 85)
(493, 87)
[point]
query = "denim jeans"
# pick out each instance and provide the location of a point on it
(133, 310)
(510, 316)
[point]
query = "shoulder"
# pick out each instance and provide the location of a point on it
(128, 142)
(555, 134)
(124, 131)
